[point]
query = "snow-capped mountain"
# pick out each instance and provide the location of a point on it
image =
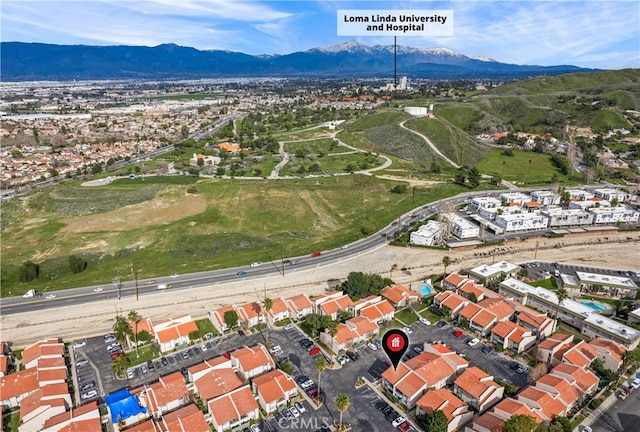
(35, 61)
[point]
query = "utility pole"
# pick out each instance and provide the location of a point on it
(134, 274)
(535, 254)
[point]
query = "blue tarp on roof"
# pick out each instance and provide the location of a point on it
(124, 404)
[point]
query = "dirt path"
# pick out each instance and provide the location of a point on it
(97, 318)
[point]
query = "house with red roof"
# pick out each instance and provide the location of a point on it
(217, 318)
(584, 380)
(6, 359)
(231, 148)
(16, 386)
(610, 352)
(300, 306)
(85, 418)
(166, 394)
(543, 402)
(559, 388)
(428, 370)
(450, 303)
(41, 405)
(48, 348)
(479, 319)
(355, 331)
(453, 281)
(252, 361)
(507, 408)
(331, 303)
(539, 324)
(454, 409)
(511, 336)
(549, 349)
(478, 389)
(487, 422)
(279, 311)
(233, 409)
(378, 312)
(471, 291)
(200, 369)
(250, 314)
(274, 390)
(216, 382)
(400, 296)
(174, 332)
(581, 355)
(186, 419)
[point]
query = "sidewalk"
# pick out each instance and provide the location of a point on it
(591, 418)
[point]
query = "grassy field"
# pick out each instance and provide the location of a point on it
(523, 167)
(162, 230)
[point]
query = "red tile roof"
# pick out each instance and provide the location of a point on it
(274, 385)
(561, 386)
(498, 306)
(397, 293)
(217, 382)
(186, 419)
(18, 383)
(232, 405)
(477, 383)
(614, 349)
(549, 406)
(252, 358)
(168, 389)
(67, 422)
(441, 399)
(490, 422)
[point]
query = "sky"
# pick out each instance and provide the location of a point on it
(602, 34)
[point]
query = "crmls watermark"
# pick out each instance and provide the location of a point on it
(303, 424)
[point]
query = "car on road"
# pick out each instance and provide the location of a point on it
(344, 246)
(316, 254)
(98, 289)
(256, 264)
(587, 429)
(424, 321)
(150, 282)
(50, 296)
(458, 333)
(175, 275)
(314, 351)
(241, 273)
(473, 342)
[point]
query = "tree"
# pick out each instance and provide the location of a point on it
(474, 177)
(359, 285)
(536, 372)
(433, 422)
(399, 189)
(560, 424)
(267, 304)
(120, 365)
(286, 367)
(520, 423)
(562, 295)
(134, 317)
(342, 403)
(459, 179)
(121, 329)
(333, 331)
(231, 319)
(446, 262)
(28, 271)
(144, 336)
(321, 366)
(77, 264)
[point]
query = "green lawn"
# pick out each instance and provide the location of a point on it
(431, 316)
(523, 167)
(146, 353)
(407, 316)
(206, 326)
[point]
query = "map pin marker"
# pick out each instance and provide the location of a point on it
(395, 343)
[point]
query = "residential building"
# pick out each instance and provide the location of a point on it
(85, 418)
(610, 194)
(400, 296)
(331, 303)
(174, 332)
(48, 348)
(41, 405)
(274, 390)
(613, 215)
(615, 286)
(454, 409)
(558, 218)
(355, 331)
(251, 362)
(279, 311)
(478, 389)
(429, 234)
(521, 222)
(198, 370)
(600, 326)
(18, 385)
(300, 306)
(250, 315)
(450, 302)
(510, 336)
(582, 379)
(549, 349)
(472, 291)
(487, 422)
(233, 409)
(634, 316)
(545, 197)
(493, 271)
(217, 318)
(6, 359)
(207, 160)
(216, 382)
(453, 281)
(514, 198)
(431, 369)
(559, 388)
(186, 419)
(461, 227)
(510, 407)
(580, 354)
(478, 319)
(378, 312)
(539, 324)
(166, 394)
(478, 203)
(547, 405)
(610, 352)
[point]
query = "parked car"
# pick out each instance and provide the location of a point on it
(353, 356)
(145, 369)
(164, 361)
(425, 321)
(635, 384)
(115, 355)
(130, 374)
(398, 421)
(403, 427)
(288, 327)
(372, 346)
(79, 343)
(203, 347)
(473, 342)
(87, 386)
(300, 407)
(150, 365)
(294, 412)
(418, 349)
(381, 405)
(314, 351)
(522, 369)
(407, 330)
(458, 333)
(184, 371)
(485, 350)
(441, 323)
(342, 360)
(185, 354)
(88, 395)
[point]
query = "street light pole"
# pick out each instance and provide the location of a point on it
(118, 284)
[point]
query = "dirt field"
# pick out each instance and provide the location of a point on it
(97, 317)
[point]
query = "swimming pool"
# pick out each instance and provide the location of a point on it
(595, 306)
(425, 290)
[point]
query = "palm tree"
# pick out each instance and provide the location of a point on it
(446, 262)
(342, 403)
(562, 295)
(333, 331)
(267, 304)
(321, 366)
(121, 328)
(134, 317)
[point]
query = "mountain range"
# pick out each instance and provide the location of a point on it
(36, 61)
